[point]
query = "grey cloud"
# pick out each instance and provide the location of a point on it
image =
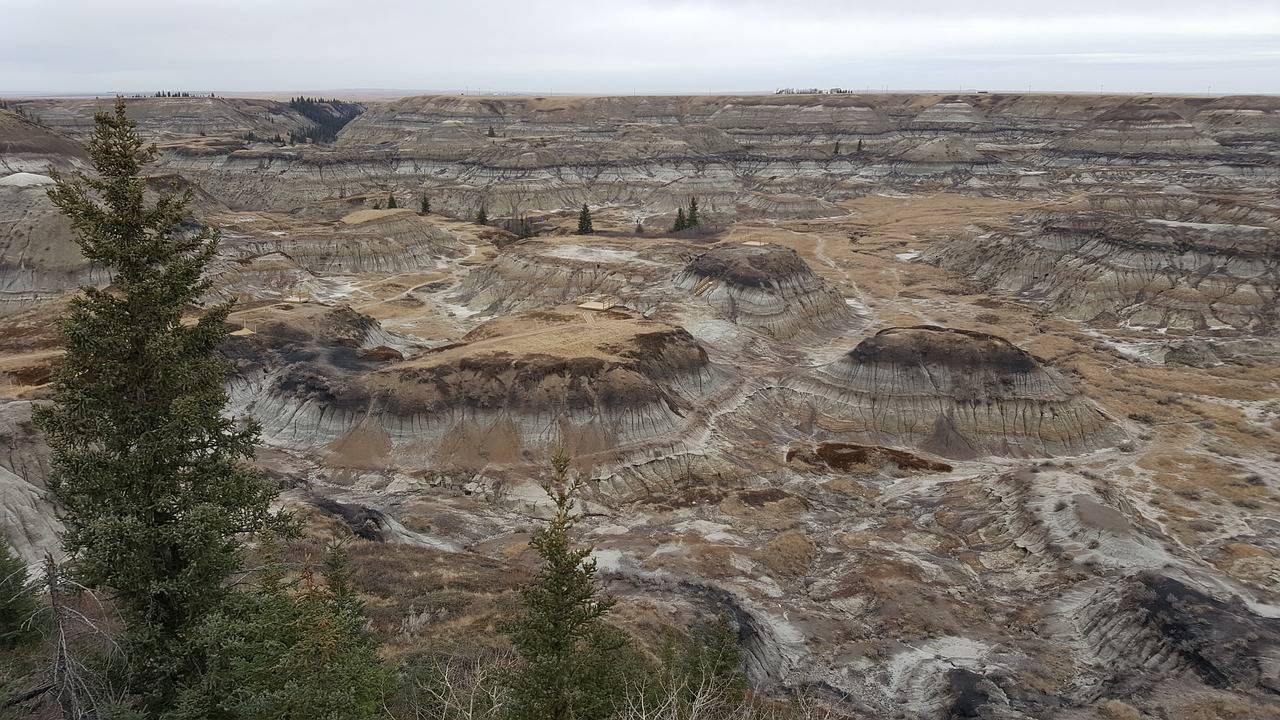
(659, 45)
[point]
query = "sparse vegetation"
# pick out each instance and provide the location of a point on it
(681, 223)
(584, 221)
(482, 217)
(424, 206)
(391, 201)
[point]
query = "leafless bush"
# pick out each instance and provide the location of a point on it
(713, 701)
(447, 686)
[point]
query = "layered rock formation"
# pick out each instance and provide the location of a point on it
(1165, 261)
(656, 152)
(768, 287)
(169, 118)
(958, 394)
(1149, 130)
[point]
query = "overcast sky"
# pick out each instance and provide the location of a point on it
(617, 46)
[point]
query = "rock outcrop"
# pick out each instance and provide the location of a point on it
(958, 394)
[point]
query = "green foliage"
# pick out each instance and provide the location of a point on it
(639, 227)
(288, 651)
(681, 223)
(571, 661)
(391, 201)
(482, 217)
(18, 607)
(425, 205)
(152, 479)
(691, 220)
(327, 118)
(491, 132)
(706, 659)
(584, 221)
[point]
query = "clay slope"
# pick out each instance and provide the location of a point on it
(38, 258)
(1164, 261)
(768, 287)
(959, 394)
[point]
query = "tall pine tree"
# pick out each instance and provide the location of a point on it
(482, 217)
(691, 219)
(573, 664)
(292, 651)
(584, 221)
(151, 477)
(681, 224)
(391, 201)
(425, 204)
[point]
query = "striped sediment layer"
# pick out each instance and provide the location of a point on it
(956, 393)
(767, 287)
(1179, 262)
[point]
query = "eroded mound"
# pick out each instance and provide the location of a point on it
(767, 287)
(1149, 261)
(956, 393)
(590, 382)
(542, 274)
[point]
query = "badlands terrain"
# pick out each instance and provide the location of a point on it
(959, 406)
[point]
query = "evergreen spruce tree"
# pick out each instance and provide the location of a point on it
(680, 221)
(692, 218)
(18, 607)
(426, 204)
(482, 217)
(837, 150)
(151, 477)
(288, 651)
(584, 221)
(573, 664)
(639, 227)
(859, 144)
(491, 132)
(707, 658)
(391, 201)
